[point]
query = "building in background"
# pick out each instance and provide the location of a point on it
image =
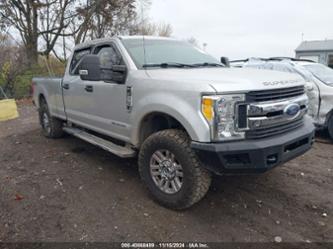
(318, 51)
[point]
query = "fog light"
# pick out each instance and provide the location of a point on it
(272, 159)
(257, 124)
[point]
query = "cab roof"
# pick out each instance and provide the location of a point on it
(113, 38)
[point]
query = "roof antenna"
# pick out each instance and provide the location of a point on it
(143, 36)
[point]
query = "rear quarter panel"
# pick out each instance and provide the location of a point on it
(51, 90)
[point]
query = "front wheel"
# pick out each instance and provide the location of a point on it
(171, 170)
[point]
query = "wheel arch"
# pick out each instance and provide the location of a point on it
(157, 121)
(329, 115)
(41, 98)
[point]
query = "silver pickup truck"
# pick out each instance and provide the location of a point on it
(182, 112)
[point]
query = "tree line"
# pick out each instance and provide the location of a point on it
(38, 35)
(44, 24)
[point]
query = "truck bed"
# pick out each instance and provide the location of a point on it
(51, 89)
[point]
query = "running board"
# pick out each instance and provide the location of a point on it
(118, 150)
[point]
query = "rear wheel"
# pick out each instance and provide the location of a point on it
(171, 170)
(52, 127)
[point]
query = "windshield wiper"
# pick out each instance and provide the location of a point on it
(207, 64)
(167, 65)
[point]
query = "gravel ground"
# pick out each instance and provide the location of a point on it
(67, 190)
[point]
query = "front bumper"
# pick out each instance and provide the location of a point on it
(255, 156)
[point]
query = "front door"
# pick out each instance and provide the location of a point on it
(74, 93)
(102, 104)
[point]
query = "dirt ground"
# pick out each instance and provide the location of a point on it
(67, 190)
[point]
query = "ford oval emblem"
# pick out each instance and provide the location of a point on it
(292, 110)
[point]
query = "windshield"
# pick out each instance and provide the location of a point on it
(166, 52)
(325, 74)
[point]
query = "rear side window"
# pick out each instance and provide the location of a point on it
(77, 56)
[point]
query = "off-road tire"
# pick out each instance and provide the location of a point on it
(196, 179)
(55, 125)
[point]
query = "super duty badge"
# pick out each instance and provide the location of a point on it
(280, 82)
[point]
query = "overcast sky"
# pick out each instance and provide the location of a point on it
(242, 28)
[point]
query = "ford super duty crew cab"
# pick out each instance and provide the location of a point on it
(182, 112)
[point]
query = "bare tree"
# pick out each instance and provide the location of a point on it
(150, 28)
(34, 19)
(54, 18)
(12, 62)
(41, 23)
(22, 15)
(192, 40)
(142, 25)
(164, 29)
(100, 18)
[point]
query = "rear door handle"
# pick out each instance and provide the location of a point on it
(65, 86)
(89, 88)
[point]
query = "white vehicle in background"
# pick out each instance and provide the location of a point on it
(319, 80)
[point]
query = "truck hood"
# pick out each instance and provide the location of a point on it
(229, 79)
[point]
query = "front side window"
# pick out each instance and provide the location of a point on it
(77, 56)
(163, 51)
(108, 56)
(323, 73)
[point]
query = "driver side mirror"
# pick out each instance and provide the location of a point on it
(89, 68)
(225, 61)
(115, 73)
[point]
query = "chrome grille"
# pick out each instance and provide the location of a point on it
(262, 117)
(275, 94)
(274, 130)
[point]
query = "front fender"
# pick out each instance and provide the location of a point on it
(186, 110)
(326, 104)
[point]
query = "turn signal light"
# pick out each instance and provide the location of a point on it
(207, 107)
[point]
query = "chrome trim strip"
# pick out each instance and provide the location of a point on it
(267, 122)
(263, 108)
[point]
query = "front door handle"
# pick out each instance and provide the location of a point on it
(65, 86)
(89, 88)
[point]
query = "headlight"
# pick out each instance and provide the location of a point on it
(220, 112)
